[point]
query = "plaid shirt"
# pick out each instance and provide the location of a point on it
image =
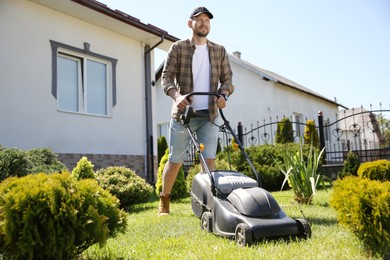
(177, 72)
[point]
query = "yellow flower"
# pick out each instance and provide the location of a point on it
(235, 146)
(201, 147)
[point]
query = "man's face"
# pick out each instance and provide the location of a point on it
(200, 25)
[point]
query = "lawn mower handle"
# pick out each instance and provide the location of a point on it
(186, 119)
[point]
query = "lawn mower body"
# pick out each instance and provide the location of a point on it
(241, 209)
(232, 204)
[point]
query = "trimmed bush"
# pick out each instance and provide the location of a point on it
(83, 169)
(376, 170)
(55, 217)
(44, 160)
(179, 189)
(16, 162)
(362, 205)
(125, 184)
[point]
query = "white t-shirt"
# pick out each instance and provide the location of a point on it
(201, 76)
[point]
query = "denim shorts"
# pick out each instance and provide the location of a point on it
(180, 140)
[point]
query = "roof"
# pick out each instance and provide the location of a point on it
(269, 75)
(114, 20)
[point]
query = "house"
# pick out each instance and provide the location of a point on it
(359, 131)
(261, 97)
(76, 77)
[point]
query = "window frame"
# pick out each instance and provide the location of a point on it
(84, 55)
(297, 125)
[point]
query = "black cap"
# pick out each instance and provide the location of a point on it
(201, 10)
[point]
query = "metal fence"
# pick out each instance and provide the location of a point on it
(357, 130)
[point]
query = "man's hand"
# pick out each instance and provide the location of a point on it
(180, 101)
(221, 102)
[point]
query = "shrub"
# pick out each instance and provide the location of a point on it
(125, 184)
(179, 189)
(362, 205)
(55, 217)
(311, 135)
(16, 162)
(376, 170)
(351, 165)
(83, 169)
(162, 146)
(266, 159)
(44, 160)
(302, 174)
(284, 132)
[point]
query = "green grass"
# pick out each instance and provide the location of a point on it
(179, 236)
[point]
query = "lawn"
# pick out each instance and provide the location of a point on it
(179, 236)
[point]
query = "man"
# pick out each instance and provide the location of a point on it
(194, 65)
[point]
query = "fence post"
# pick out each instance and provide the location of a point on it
(321, 129)
(240, 134)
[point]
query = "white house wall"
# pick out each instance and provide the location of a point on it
(255, 99)
(29, 117)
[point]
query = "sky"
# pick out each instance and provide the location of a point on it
(338, 49)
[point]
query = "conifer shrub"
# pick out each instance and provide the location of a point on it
(362, 206)
(44, 160)
(310, 135)
(351, 165)
(162, 146)
(179, 189)
(284, 132)
(376, 170)
(83, 169)
(14, 162)
(125, 184)
(55, 216)
(17, 162)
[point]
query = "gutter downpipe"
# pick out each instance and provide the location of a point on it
(149, 159)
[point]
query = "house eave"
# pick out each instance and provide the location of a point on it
(116, 21)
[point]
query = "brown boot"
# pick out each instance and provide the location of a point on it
(163, 208)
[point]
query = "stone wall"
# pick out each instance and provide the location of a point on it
(133, 162)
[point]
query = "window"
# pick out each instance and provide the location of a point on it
(83, 81)
(163, 130)
(297, 125)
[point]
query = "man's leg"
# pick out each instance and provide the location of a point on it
(168, 179)
(210, 164)
(169, 176)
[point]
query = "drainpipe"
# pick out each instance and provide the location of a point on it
(149, 160)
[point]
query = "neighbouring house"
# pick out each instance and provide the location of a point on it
(261, 97)
(359, 130)
(356, 130)
(76, 77)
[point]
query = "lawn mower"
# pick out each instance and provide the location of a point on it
(233, 205)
